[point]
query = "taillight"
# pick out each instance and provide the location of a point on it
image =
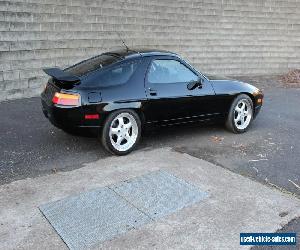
(66, 99)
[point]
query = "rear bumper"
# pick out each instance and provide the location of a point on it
(48, 114)
(67, 117)
(60, 117)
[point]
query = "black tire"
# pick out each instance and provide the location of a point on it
(230, 123)
(106, 141)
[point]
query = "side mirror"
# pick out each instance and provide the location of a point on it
(194, 84)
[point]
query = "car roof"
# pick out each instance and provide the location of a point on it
(135, 52)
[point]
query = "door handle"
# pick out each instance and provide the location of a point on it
(152, 92)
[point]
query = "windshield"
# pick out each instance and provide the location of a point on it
(92, 64)
(191, 65)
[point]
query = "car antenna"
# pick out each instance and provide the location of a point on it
(126, 45)
(123, 41)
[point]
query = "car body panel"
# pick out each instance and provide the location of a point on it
(169, 102)
(172, 104)
(227, 90)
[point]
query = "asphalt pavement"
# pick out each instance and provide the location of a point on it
(269, 152)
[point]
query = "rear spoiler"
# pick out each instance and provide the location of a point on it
(61, 75)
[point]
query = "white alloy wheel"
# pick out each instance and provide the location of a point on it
(123, 132)
(242, 114)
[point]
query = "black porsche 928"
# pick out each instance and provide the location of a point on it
(122, 92)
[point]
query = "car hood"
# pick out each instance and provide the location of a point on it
(226, 80)
(225, 86)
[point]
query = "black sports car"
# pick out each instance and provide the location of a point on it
(122, 92)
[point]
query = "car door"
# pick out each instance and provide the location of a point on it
(169, 99)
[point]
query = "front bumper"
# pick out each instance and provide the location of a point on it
(256, 111)
(258, 102)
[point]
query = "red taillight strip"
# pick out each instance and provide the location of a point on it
(92, 117)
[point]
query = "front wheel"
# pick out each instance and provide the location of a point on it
(240, 114)
(121, 132)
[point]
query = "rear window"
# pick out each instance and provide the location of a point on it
(92, 64)
(117, 75)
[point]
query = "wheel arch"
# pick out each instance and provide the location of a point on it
(252, 98)
(135, 106)
(236, 95)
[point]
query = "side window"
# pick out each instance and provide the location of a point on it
(117, 75)
(170, 71)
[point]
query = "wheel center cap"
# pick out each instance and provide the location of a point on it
(123, 132)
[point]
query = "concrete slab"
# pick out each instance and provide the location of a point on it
(235, 204)
(92, 217)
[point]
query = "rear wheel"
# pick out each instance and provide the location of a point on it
(240, 114)
(121, 132)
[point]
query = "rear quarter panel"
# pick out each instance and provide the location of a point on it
(130, 95)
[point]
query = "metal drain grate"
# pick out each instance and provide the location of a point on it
(159, 193)
(90, 218)
(87, 219)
